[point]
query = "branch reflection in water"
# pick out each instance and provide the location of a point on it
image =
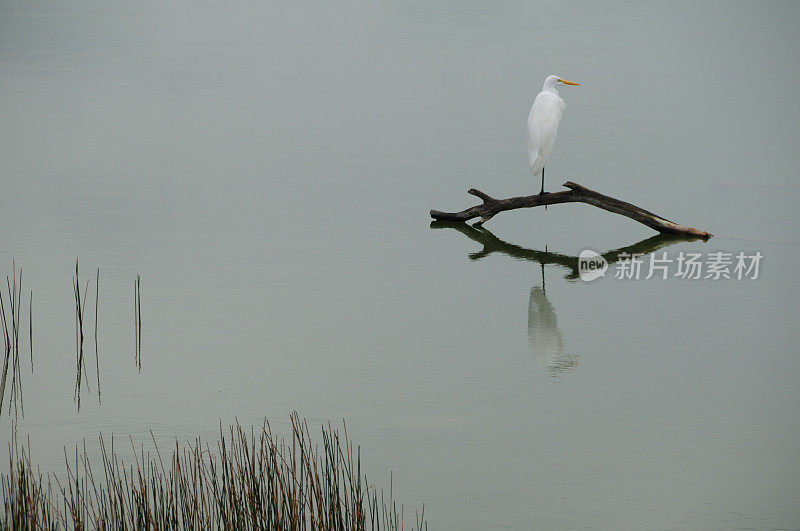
(544, 334)
(493, 244)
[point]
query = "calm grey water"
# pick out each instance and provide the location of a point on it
(268, 168)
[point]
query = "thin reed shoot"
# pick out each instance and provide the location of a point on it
(10, 323)
(80, 306)
(96, 348)
(80, 320)
(137, 321)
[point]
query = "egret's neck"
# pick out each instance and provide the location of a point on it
(550, 86)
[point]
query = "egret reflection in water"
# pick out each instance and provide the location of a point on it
(545, 335)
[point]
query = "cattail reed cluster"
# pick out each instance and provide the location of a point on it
(249, 481)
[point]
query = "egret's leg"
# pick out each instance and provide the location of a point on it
(542, 191)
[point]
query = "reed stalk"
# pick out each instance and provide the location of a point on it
(10, 323)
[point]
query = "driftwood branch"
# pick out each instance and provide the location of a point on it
(575, 194)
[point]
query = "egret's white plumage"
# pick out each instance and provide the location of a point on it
(543, 123)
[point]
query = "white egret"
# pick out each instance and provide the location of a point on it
(543, 124)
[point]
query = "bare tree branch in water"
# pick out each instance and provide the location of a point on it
(576, 194)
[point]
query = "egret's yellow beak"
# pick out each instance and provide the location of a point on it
(567, 82)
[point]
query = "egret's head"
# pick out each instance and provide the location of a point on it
(554, 81)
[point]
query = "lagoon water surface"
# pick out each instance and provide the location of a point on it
(268, 168)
